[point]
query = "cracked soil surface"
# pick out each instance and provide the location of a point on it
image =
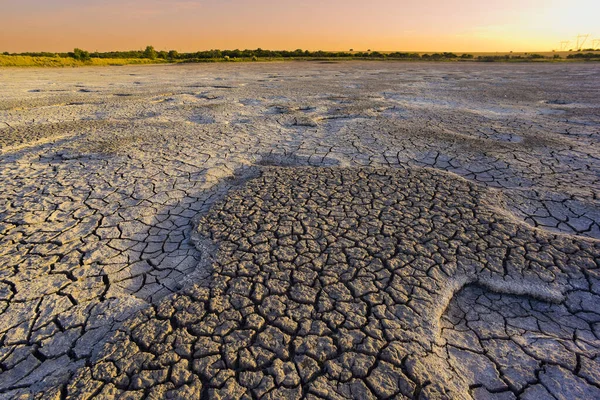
(301, 230)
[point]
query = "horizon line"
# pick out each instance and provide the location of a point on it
(312, 51)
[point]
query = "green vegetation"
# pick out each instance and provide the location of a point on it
(43, 61)
(79, 57)
(150, 53)
(585, 56)
(517, 58)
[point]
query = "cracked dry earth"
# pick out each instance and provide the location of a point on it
(300, 230)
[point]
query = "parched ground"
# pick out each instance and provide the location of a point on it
(301, 230)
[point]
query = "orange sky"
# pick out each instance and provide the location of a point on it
(188, 25)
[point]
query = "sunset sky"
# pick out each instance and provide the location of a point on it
(189, 25)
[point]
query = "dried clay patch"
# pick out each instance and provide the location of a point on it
(365, 283)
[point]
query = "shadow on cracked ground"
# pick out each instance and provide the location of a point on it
(365, 283)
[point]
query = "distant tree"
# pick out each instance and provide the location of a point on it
(6, 53)
(173, 54)
(150, 53)
(80, 55)
(215, 53)
(162, 55)
(235, 53)
(261, 53)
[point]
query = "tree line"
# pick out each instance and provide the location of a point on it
(150, 53)
(172, 55)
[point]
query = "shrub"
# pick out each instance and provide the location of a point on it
(585, 56)
(494, 58)
(150, 53)
(398, 54)
(80, 55)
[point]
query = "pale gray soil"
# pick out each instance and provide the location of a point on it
(351, 230)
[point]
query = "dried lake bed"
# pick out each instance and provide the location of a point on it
(301, 230)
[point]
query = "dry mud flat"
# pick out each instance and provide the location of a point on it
(353, 230)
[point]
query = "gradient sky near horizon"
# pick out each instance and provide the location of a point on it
(190, 25)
